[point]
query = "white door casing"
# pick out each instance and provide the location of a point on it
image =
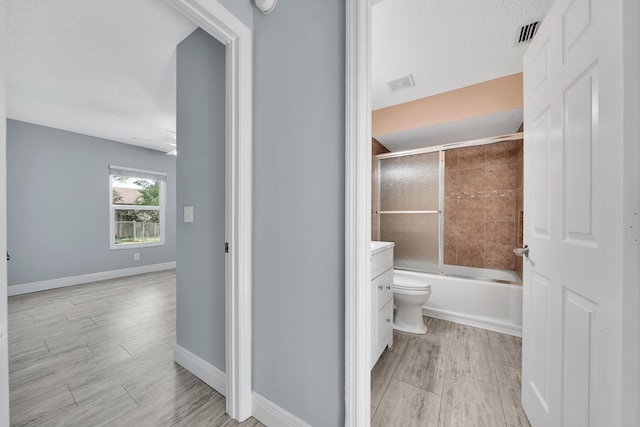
(357, 210)
(631, 298)
(573, 121)
(216, 20)
(4, 339)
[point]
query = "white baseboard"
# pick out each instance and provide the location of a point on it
(272, 415)
(488, 323)
(44, 285)
(265, 411)
(202, 369)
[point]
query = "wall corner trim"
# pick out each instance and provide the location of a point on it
(202, 369)
(62, 282)
(272, 415)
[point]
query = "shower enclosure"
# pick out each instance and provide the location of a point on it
(454, 209)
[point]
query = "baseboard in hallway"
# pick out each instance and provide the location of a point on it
(62, 282)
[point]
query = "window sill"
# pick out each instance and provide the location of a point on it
(136, 246)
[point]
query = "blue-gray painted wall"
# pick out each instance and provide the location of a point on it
(298, 178)
(200, 280)
(58, 203)
(242, 9)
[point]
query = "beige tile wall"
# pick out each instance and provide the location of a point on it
(482, 189)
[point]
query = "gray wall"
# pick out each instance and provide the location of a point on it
(58, 203)
(298, 268)
(201, 184)
(242, 9)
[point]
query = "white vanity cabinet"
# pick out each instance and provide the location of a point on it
(381, 298)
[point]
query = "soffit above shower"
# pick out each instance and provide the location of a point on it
(445, 44)
(502, 123)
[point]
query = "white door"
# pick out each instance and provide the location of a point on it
(571, 354)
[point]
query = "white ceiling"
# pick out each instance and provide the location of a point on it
(105, 68)
(445, 44)
(497, 124)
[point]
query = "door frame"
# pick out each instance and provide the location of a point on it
(631, 216)
(225, 27)
(4, 329)
(358, 198)
(357, 206)
(216, 20)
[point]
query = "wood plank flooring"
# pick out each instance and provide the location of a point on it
(102, 354)
(454, 376)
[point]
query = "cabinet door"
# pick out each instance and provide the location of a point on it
(384, 288)
(385, 327)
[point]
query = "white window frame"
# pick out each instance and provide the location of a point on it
(113, 207)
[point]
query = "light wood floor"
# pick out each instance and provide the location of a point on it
(455, 375)
(102, 354)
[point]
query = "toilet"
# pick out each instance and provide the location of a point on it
(409, 295)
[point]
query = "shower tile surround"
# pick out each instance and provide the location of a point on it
(482, 205)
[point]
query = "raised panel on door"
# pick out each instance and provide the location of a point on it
(537, 379)
(575, 21)
(580, 152)
(540, 140)
(577, 351)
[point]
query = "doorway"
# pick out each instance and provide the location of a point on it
(358, 149)
(225, 27)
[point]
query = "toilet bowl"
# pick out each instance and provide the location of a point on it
(409, 296)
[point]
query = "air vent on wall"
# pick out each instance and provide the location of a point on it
(401, 83)
(527, 30)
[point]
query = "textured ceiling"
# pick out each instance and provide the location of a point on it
(445, 44)
(105, 68)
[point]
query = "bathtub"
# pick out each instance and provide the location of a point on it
(493, 302)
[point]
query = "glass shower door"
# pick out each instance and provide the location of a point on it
(409, 209)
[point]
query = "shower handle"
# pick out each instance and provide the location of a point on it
(524, 251)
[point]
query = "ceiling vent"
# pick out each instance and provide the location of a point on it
(401, 83)
(527, 30)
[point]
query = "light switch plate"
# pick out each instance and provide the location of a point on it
(188, 214)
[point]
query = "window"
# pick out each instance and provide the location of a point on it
(137, 204)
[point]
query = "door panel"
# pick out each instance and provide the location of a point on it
(579, 322)
(541, 190)
(572, 346)
(576, 19)
(539, 378)
(580, 148)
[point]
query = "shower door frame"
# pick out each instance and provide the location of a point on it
(414, 152)
(431, 149)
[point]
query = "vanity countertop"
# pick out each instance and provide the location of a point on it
(377, 247)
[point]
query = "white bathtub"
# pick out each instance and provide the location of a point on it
(483, 303)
